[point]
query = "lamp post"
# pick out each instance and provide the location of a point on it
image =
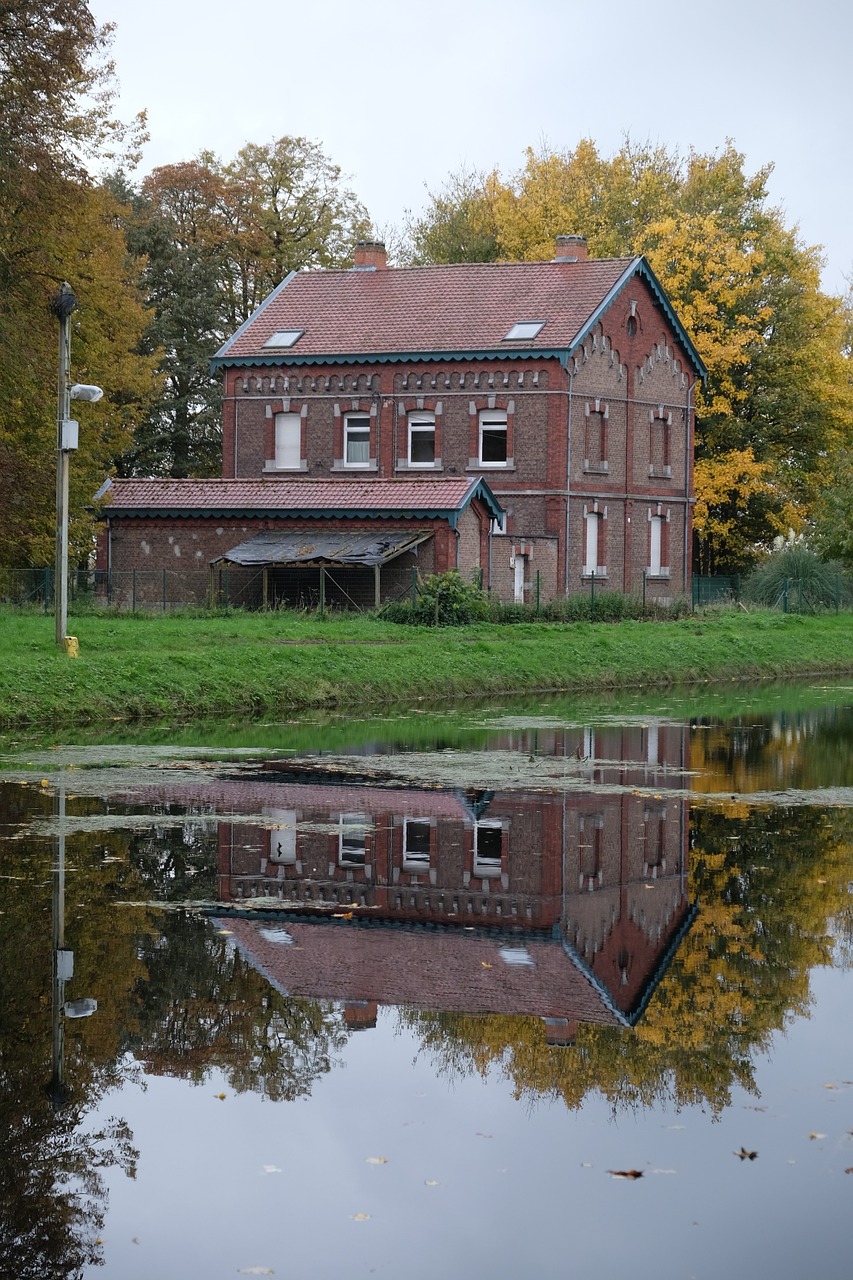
(66, 440)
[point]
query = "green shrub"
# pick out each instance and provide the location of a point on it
(447, 600)
(795, 578)
(444, 600)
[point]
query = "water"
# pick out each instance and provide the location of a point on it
(413, 996)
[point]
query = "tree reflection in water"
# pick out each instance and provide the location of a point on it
(695, 928)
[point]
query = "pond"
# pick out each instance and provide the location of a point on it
(552, 988)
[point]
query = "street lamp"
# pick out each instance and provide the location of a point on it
(66, 440)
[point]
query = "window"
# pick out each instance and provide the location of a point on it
(421, 440)
(591, 851)
(595, 437)
(524, 329)
(493, 438)
(284, 338)
(416, 844)
(660, 431)
(357, 440)
(352, 839)
(288, 441)
(657, 547)
(488, 848)
(282, 836)
(594, 544)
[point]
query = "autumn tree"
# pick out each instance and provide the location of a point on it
(744, 285)
(57, 224)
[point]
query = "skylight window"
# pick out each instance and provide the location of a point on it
(524, 329)
(284, 338)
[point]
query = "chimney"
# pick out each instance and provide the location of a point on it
(570, 249)
(370, 256)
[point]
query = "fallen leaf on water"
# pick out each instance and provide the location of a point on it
(361, 1217)
(220, 1096)
(812, 1136)
(850, 1170)
(743, 1154)
(625, 1173)
(377, 1160)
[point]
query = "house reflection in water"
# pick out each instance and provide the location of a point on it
(565, 905)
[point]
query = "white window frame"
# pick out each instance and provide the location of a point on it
(284, 338)
(656, 569)
(354, 423)
(353, 830)
(524, 330)
(420, 424)
(490, 419)
(282, 836)
(416, 859)
(592, 541)
(288, 452)
(484, 867)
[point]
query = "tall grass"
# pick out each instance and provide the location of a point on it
(795, 580)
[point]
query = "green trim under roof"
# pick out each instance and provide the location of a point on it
(387, 357)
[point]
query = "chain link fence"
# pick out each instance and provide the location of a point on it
(340, 589)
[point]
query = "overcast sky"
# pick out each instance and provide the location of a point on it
(401, 95)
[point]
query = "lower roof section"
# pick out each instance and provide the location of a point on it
(307, 548)
(427, 498)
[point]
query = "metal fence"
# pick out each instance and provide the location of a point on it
(162, 590)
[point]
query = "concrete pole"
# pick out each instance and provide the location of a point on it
(64, 303)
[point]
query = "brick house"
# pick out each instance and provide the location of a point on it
(565, 388)
(398, 892)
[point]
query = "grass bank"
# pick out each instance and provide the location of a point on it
(179, 667)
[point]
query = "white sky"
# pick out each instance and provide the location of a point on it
(399, 96)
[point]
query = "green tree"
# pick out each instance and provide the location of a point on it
(167, 228)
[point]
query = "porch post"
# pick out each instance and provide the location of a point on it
(376, 585)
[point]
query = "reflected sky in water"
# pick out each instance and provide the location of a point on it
(399, 997)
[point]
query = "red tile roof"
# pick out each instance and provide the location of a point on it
(462, 307)
(291, 497)
(444, 970)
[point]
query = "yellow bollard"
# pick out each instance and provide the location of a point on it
(72, 648)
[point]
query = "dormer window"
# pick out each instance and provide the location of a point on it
(524, 329)
(284, 338)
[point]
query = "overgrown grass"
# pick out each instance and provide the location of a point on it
(252, 664)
